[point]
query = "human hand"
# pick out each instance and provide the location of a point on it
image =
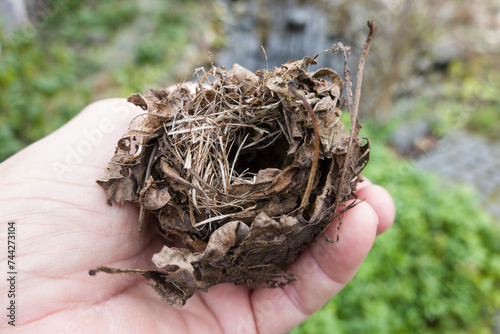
(64, 227)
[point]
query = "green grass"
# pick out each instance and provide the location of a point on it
(437, 270)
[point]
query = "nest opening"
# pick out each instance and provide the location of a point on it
(270, 153)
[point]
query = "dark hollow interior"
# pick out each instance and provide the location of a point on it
(262, 156)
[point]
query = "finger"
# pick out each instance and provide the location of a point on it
(363, 182)
(322, 271)
(381, 201)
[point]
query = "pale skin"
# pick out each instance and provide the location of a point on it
(64, 228)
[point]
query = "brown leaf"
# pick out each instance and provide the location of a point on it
(120, 189)
(246, 78)
(222, 239)
(172, 218)
(279, 205)
(174, 179)
(283, 181)
(115, 180)
(179, 257)
(152, 197)
(268, 229)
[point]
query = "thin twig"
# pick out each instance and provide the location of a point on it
(353, 109)
(235, 160)
(232, 215)
(146, 177)
(361, 66)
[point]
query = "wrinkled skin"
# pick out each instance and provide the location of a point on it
(64, 227)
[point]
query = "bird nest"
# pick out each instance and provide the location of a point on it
(241, 174)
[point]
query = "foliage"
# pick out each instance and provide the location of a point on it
(465, 95)
(473, 83)
(79, 51)
(437, 270)
(30, 85)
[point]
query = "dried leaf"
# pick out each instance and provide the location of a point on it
(180, 258)
(222, 239)
(152, 197)
(240, 76)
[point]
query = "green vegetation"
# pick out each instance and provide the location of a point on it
(477, 86)
(437, 270)
(464, 96)
(81, 51)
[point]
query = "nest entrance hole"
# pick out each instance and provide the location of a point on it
(269, 153)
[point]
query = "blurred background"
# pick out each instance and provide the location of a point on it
(430, 105)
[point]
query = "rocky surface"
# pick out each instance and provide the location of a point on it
(468, 158)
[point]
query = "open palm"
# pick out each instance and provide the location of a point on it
(64, 228)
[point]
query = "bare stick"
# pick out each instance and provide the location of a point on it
(353, 109)
(146, 177)
(361, 67)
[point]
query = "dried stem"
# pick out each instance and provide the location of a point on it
(361, 66)
(314, 165)
(146, 177)
(352, 108)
